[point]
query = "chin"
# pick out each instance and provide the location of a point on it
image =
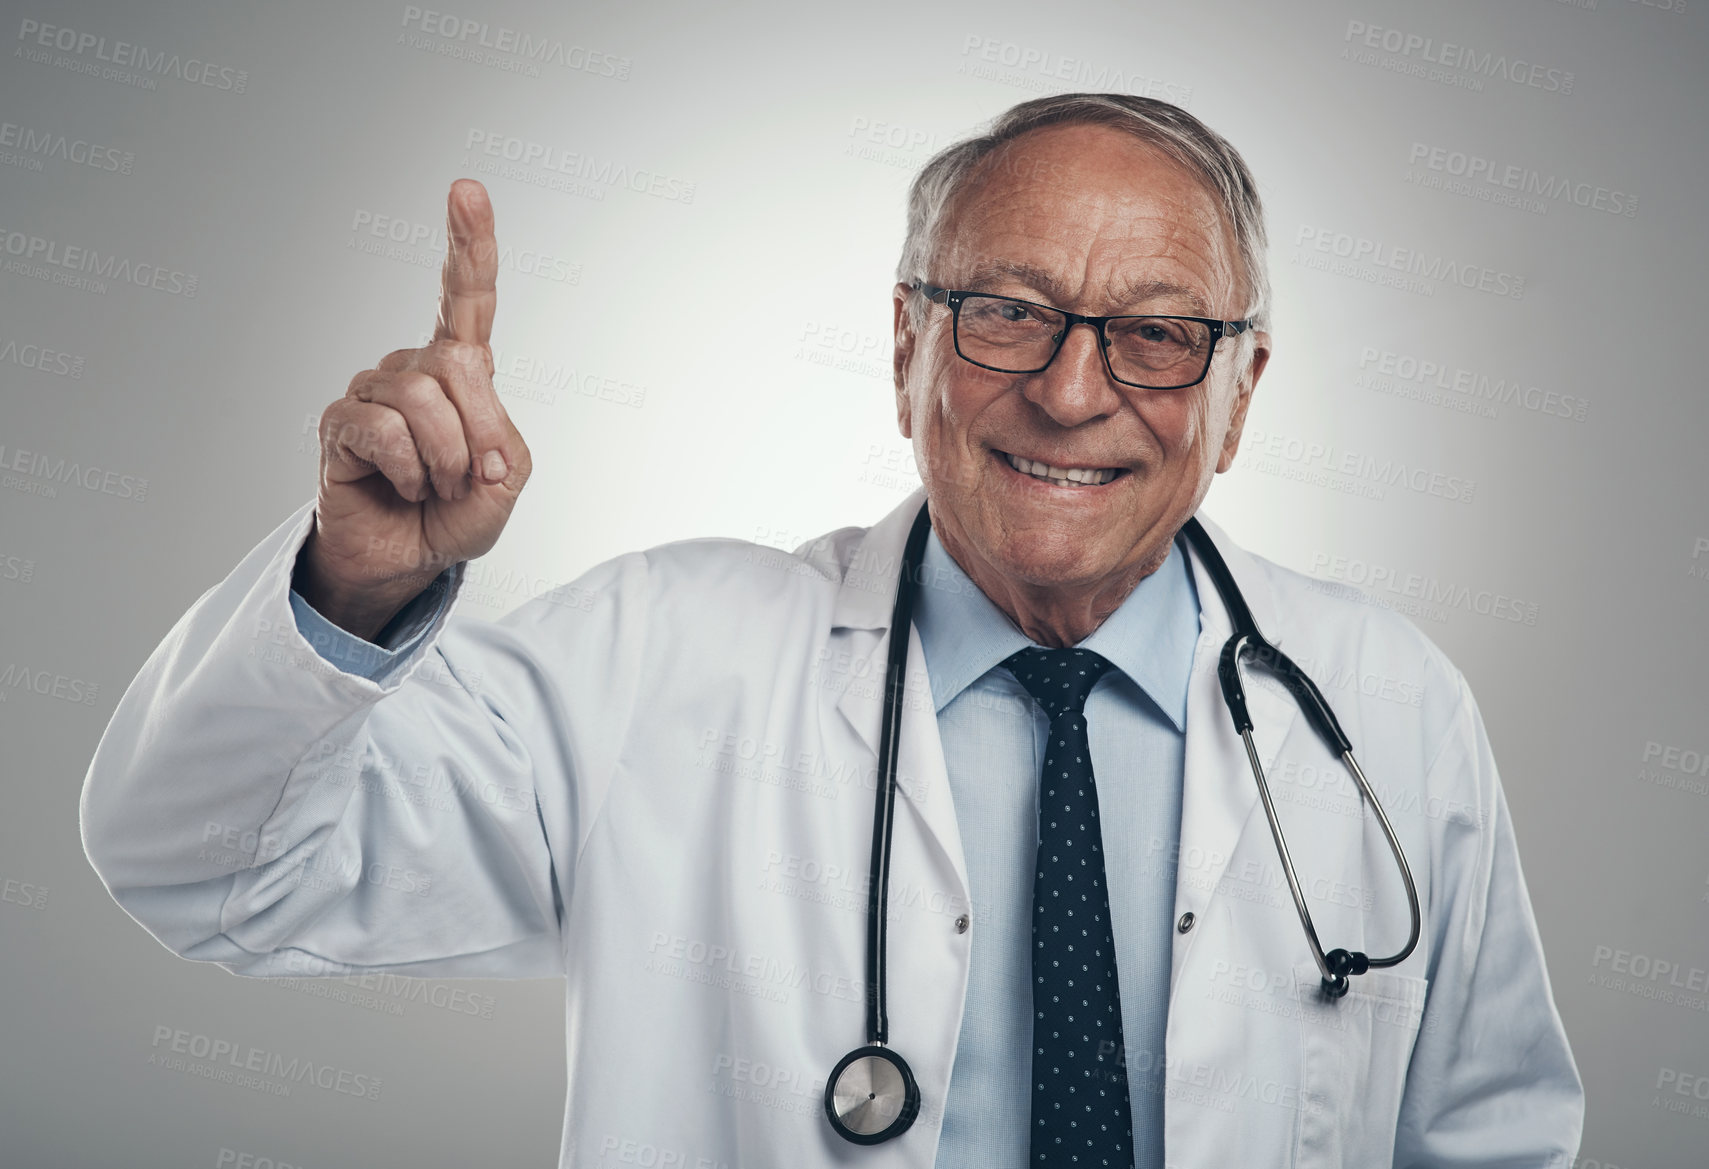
(1055, 558)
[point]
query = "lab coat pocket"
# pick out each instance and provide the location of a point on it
(1354, 1053)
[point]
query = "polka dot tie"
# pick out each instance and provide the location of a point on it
(1080, 1097)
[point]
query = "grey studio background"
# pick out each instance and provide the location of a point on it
(1485, 408)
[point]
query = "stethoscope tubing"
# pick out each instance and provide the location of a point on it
(871, 1095)
(1336, 966)
(884, 805)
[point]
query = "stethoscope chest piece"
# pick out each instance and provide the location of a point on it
(871, 1096)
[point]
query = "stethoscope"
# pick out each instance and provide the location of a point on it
(871, 1095)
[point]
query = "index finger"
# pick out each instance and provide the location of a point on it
(468, 285)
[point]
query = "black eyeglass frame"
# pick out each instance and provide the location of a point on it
(952, 299)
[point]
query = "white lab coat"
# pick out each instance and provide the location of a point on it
(658, 783)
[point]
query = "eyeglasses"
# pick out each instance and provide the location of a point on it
(1010, 335)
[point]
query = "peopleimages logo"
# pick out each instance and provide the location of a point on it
(535, 379)
(1464, 59)
(121, 57)
(224, 1059)
(1380, 262)
(79, 266)
(44, 358)
(555, 161)
(1431, 590)
(47, 684)
(1363, 474)
(1379, 364)
(487, 44)
(1030, 67)
(1523, 180)
(393, 237)
(1683, 760)
(34, 144)
(47, 470)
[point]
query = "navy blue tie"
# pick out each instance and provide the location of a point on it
(1080, 1110)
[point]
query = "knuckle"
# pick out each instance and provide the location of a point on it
(379, 434)
(464, 354)
(473, 383)
(399, 359)
(394, 435)
(447, 456)
(335, 420)
(354, 436)
(416, 389)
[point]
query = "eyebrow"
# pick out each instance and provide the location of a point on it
(993, 272)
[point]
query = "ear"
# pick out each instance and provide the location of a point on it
(903, 327)
(1248, 383)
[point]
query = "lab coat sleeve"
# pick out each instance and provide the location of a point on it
(1492, 1080)
(380, 659)
(253, 805)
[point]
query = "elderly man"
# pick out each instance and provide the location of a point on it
(1076, 942)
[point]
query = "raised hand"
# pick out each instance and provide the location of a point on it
(420, 465)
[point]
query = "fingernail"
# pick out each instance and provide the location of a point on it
(492, 466)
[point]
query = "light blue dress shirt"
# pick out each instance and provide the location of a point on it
(993, 738)
(377, 659)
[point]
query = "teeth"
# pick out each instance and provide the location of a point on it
(1062, 476)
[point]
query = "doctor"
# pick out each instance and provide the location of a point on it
(659, 781)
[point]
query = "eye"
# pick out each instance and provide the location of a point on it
(1156, 331)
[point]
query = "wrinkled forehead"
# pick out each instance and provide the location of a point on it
(1063, 197)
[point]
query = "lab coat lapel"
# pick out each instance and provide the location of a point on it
(860, 636)
(1219, 797)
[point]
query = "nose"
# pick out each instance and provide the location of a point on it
(1075, 387)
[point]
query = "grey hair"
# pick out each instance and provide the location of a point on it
(1173, 131)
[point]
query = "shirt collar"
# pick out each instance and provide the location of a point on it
(1150, 637)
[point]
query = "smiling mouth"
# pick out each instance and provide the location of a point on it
(1063, 476)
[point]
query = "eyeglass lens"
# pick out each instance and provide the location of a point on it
(1014, 337)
